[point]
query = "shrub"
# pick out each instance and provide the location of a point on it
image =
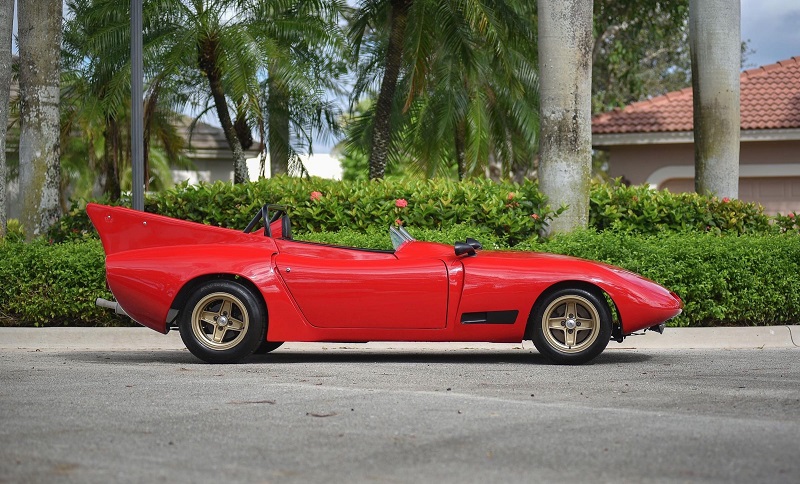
(723, 280)
(640, 209)
(53, 285)
(512, 212)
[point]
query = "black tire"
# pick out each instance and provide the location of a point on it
(571, 326)
(267, 346)
(222, 322)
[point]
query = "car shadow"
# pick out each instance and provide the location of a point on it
(279, 357)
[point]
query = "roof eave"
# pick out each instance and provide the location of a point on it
(683, 137)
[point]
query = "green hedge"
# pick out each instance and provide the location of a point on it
(53, 285)
(728, 280)
(512, 212)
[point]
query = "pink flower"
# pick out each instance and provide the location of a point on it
(401, 203)
(726, 200)
(315, 196)
(510, 195)
(398, 222)
(535, 216)
(791, 215)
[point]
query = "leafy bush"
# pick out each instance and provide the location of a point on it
(723, 280)
(375, 238)
(53, 285)
(512, 212)
(640, 209)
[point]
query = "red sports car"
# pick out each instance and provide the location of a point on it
(233, 293)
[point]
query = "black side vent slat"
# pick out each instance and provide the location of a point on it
(490, 317)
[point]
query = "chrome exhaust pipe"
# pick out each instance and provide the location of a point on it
(105, 303)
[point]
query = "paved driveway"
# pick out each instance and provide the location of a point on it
(398, 413)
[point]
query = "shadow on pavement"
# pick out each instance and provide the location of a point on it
(279, 357)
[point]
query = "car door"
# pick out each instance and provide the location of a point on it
(373, 290)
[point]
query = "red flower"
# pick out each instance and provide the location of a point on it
(535, 216)
(791, 215)
(315, 196)
(726, 200)
(398, 222)
(510, 195)
(401, 203)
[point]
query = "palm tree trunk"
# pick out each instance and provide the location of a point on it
(208, 64)
(6, 27)
(278, 105)
(565, 70)
(110, 167)
(381, 129)
(39, 79)
(461, 148)
(715, 43)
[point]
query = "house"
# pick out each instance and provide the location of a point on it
(212, 160)
(652, 141)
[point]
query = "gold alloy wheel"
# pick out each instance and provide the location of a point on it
(220, 321)
(570, 324)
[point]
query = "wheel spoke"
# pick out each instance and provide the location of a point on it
(209, 317)
(235, 324)
(555, 323)
(572, 310)
(586, 323)
(569, 338)
(219, 333)
(225, 310)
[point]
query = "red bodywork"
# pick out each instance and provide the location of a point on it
(420, 292)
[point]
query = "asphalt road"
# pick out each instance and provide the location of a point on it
(350, 413)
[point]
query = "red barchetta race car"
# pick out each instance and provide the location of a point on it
(233, 293)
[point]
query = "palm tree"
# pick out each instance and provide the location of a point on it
(465, 76)
(39, 52)
(96, 104)
(565, 50)
(715, 43)
(298, 82)
(6, 26)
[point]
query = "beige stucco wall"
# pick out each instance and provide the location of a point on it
(769, 170)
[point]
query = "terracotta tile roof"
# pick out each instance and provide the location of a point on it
(770, 99)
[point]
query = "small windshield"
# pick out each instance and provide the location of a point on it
(399, 236)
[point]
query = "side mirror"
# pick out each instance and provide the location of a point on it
(474, 243)
(463, 248)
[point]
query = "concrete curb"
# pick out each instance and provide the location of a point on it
(143, 339)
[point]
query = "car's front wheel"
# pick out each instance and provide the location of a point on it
(222, 322)
(571, 326)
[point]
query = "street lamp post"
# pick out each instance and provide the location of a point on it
(137, 129)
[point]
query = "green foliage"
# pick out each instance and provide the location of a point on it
(723, 280)
(378, 238)
(787, 223)
(53, 285)
(640, 209)
(507, 210)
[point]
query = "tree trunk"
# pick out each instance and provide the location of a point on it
(278, 105)
(461, 149)
(381, 127)
(207, 59)
(565, 70)
(110, 167)
(715, 43)
(40, 56)
(6, 26)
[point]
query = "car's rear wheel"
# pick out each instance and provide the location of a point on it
(571, 326)
(222, 322)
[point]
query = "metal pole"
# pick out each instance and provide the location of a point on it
(137, 129)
